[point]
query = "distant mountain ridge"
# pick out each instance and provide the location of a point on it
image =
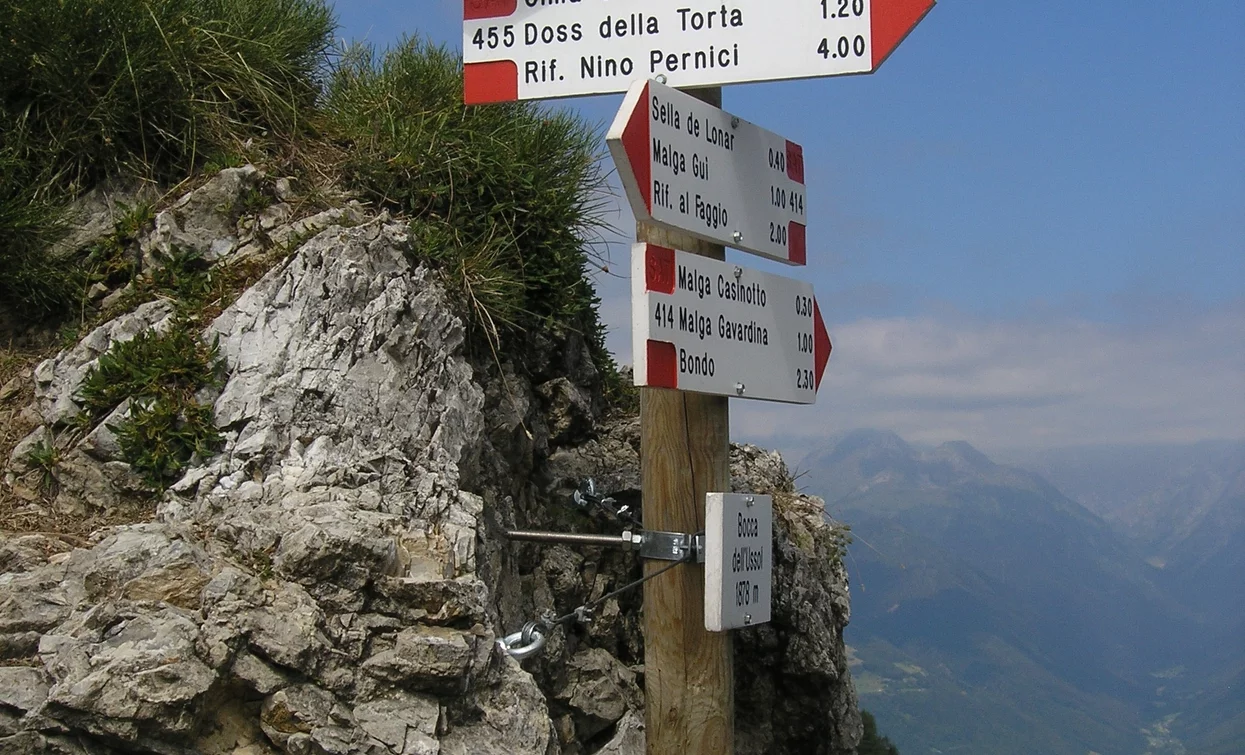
(1043, 623)
(1155, 494)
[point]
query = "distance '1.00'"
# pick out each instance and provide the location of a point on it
(783, 199)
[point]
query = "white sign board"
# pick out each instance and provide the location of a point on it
(707, 326)
(739, 560)
(537, 49)
(698, 169)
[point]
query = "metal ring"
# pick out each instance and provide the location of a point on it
(517, 647)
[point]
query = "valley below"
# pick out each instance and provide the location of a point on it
(1077, 601)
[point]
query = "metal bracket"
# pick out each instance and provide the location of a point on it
(658, 546)
(672, 546)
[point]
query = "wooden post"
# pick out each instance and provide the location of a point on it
(685, 453)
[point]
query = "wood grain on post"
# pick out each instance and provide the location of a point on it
(685, 453)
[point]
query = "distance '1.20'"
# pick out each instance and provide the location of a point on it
(842, 8)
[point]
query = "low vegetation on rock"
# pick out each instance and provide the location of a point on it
(507, 198)
(159, 374)
(147, 98)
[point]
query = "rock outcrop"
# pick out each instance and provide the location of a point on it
(334, 581)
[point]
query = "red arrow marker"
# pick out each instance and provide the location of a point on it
(892, 21)
(821, 343)
(639, 158)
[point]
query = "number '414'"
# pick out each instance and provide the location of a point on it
(664, 315)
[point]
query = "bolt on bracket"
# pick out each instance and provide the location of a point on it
(672, 546)
(657, 546)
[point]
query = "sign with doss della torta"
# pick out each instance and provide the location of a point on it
(537, 49)
(696, 168)
(739, 560)
(707, 326)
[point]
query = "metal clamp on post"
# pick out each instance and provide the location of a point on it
(656, 546)
(672, 546)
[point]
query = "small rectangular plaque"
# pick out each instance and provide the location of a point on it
(739, 536)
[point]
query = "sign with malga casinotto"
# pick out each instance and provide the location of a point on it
(707, 326)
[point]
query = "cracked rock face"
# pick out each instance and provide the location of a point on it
(334, 581)
(320, 573)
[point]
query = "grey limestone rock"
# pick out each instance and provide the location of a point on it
(334, 580)
(205, 220)
(22, 689)
(508, 718)
(629, 739)
(599, 690)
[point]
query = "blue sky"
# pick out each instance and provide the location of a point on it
(1027, 229)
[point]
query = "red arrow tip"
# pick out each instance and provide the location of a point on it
(892, 21)
(635, 142)
(821, 343)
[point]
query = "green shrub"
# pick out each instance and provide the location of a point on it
(873, 743)
(29, 225)
(161, 436)
(506, 199)
(159, 373)
(90, 88)
(45, 457)
(142, 88)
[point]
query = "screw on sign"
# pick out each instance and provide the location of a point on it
(537, 49)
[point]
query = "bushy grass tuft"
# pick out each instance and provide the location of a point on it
(506, 199)
(90, 88)
(152, 89)
(30, 286)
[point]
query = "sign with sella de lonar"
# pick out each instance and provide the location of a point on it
(739, 560)
(539, 49)
(698, 169)
(708, 326)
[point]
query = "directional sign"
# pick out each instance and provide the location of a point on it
(739, 560)
(691, 166)
(537, 49)
(707, 326)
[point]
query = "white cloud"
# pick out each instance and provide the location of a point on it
(999, 384)
(1004, 385)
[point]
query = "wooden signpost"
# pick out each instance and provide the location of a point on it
(689, 680)
(698, 180)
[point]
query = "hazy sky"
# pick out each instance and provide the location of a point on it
(1026, 230)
